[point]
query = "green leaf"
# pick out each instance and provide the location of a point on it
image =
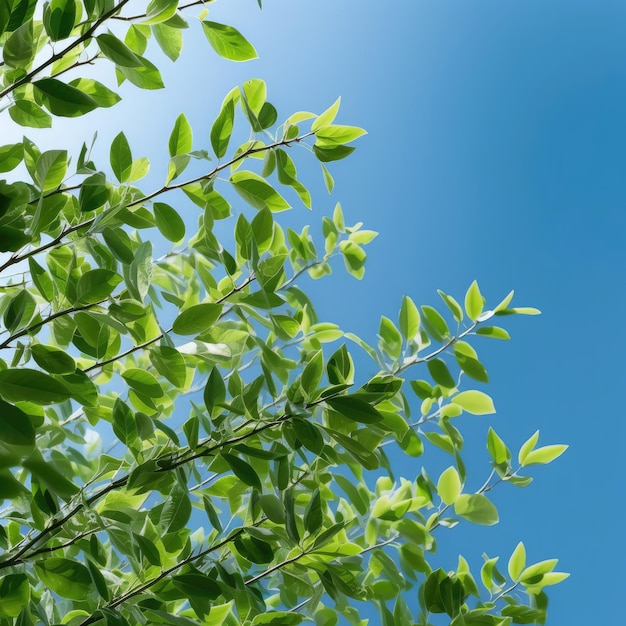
(121, 158)
(63, 100)
(124, 422)
(263, 229)
(177, 511)
(476, 508)
(497, 448)
(328, 179)
(328, 154)
(169, 222)
(26, 113)
(223, 127)
(494, 332)
(243, 470)
(537, 570)
(148, 549)
(96, 285)
(355, 409)
(53, 360)
(16, 429)
(117, 51)
(434, 323)
(170, 363)
(327, 117)
(143, 382)
(180, 141)
(468, 361)
(527, 446)
(453, 305)
(473, 302)
(82, 388)
(93, 192)
(544, 455)
(330, 136)
(475, 402)
(14, 594)
(517, 562)
(291, 525)
(51, 169)
(197, 318)
(67, 578)
(277, 618)
(170, 40)
(59, 17)
(18, 49)
(160, 11)
(214, 391)
(449, 485)
(228, 42)
(409, 319)
(440, 373)
(273, 508)
(102, 95)
(11, 156)
(258, 192)
(313, 516)
(212, 514)
(23, 384)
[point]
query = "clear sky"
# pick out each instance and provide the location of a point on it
(495, 152)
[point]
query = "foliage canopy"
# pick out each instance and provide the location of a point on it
(245, 476)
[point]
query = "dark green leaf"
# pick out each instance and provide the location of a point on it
(124, 424)
(121, 158)
(169, 222)
(313, 516)
(197, 318)
(63, 100)
(59, 17)
(96, 285)
(53, 360)
(355, 409)
(15, 427)
(30, 385)
(148, 549)
(176, 512)
(214, 391)
(14, 594)
(440, 373)
(243, 471)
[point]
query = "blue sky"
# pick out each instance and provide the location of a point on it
(495, 152)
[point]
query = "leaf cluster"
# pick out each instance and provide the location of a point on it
(182, 440)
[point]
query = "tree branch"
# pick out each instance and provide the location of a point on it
(182, 7)
(59, 55)
(17, 258)
(26, 331)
